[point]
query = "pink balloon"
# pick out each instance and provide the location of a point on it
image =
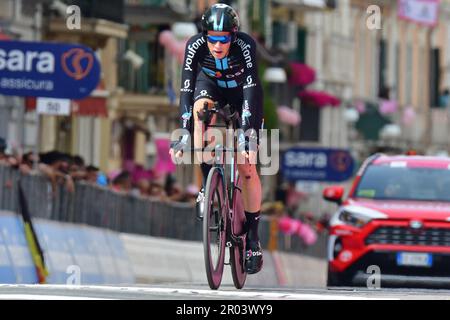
(180, 47)
(288, 115)
(172, 45)
(409, 115)
(288, 225)
(360, 106)
(388, 106)
(308, 235)
(180, 57)
(165, 37)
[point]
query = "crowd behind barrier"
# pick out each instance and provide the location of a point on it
(99, 206)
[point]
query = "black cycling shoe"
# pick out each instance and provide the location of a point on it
(253, 258)
(200, 205)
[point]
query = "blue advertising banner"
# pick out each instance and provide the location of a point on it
(57, 250)
(317, 164)
(7, 274)
(17, 248)
(40, 69)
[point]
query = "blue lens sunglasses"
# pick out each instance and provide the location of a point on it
(221, 39)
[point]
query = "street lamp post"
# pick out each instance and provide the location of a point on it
(37, 37)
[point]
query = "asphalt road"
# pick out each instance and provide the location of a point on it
(189, 291)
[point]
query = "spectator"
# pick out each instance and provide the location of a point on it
(281, 191)
(324, 223)
(274, 209)
(308, 217)
(12, 161)
(122, 183)
(92, 174)
(157, 190)
(173, 189)
(191, 194)
(139, 173)
(77, 168)
(77, 163)
(293, 199)
(27, 163)
(55, 166)
(143, 187)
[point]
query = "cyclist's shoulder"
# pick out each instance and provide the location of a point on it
(197, 38)
(246, 38)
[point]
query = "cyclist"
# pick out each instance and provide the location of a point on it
(220, 66)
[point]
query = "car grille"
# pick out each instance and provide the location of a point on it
(408, 236)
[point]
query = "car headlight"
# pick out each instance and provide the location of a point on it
(354, 220)
(359, 216)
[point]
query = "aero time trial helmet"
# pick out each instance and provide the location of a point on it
(220, 17)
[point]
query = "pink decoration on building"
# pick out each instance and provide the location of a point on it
(164, 162)
(409, 115)
(319, 98)
(360, 106)
(165, 37)
(301, 74)
(288, 115)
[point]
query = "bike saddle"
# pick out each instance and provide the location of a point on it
(228, 113)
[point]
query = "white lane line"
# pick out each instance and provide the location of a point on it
(43, 297)
(196, 292)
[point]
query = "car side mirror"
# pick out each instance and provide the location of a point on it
(333, 194)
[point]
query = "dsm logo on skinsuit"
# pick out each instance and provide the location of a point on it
(54, 70)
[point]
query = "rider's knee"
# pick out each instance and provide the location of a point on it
(198, 107)
(247, 171)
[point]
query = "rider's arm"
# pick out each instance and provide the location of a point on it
(252, 108)
(194, 48)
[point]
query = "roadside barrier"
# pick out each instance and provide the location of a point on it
(74, 254)
(100, 207)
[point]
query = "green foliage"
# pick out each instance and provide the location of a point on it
(270, 113)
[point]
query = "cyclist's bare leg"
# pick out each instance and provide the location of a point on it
(251, 187)
(251, 194)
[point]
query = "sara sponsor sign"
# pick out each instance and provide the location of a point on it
(54, 70)
(424, 12)
(317, 164)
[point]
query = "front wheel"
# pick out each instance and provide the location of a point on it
(214, 227)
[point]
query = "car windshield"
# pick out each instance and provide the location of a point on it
(387, 182)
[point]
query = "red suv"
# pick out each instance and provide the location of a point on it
(396, 218)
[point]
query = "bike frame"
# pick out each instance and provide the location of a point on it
(229, 182)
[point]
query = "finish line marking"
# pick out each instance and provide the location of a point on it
(192, 292)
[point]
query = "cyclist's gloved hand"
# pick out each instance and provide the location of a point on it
(247, 143)
(179, 145)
